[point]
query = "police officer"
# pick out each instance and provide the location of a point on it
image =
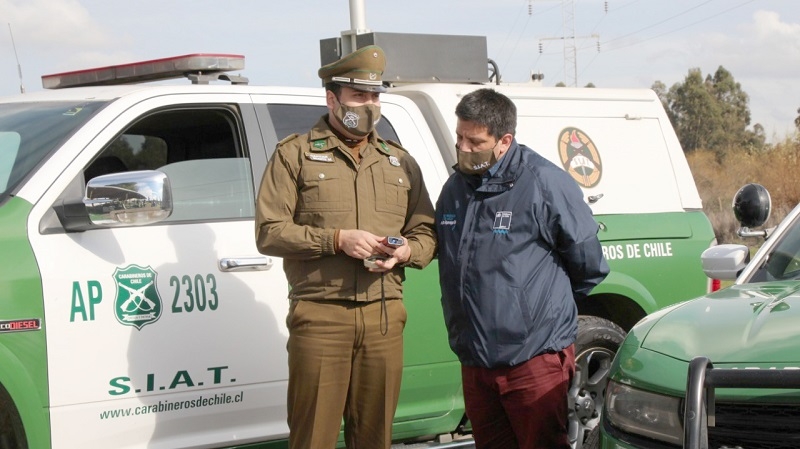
(327, 203)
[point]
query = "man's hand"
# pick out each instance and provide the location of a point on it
(360, 244)
(397, 254)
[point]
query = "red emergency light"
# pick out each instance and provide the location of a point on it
(153, 70)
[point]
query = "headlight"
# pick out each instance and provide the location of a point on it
(642, 413)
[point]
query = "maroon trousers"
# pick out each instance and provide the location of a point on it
(523, 406)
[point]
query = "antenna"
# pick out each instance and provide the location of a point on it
(19, 67)
(358, 25)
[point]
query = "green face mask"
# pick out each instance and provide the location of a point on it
(358, 120)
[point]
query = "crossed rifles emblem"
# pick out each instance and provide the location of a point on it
(137, 297)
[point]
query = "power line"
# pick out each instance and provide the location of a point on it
(519, 37)
(568, 37)
(713, 16)
(658, 23)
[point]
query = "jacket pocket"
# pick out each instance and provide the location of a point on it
(391, 190)
(513, 318)
(323, 188)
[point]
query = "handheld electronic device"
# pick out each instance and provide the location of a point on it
(394, 241)
(369, 262)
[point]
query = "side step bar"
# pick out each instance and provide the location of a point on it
(460, 443)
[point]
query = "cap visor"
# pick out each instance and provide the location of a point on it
(364, 87)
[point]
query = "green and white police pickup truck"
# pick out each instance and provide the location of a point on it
(722, 370)
(135, 310)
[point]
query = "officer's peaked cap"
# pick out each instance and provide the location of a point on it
(361, 69)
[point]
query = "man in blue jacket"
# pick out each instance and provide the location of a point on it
(517, 247)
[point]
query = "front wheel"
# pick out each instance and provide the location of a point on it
(597, 343)
(12, 434)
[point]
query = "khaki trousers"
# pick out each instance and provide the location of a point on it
(342, 366)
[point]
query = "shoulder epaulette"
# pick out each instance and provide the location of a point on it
(396, 145)
(288, 138)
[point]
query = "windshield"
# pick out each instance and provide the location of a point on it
(30, 131)
(783, 262)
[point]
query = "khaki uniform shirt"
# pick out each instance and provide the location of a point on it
(313, 186)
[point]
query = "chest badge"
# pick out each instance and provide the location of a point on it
(448, 220)
(502, 222)
(326, 157)
(394, 161)
(138, 302)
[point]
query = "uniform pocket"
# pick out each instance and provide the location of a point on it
(292, 317)
(391, 190)
(323, 188)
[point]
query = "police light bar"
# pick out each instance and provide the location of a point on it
(153, 70)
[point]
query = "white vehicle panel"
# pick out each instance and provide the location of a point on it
(174, 326)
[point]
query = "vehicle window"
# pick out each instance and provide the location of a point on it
(30, 131)
(202, 153)
(9, 148)
(294, 118)
(783, 263)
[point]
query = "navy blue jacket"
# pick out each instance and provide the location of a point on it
(517, 247)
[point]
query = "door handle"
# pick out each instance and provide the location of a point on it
(248, 263)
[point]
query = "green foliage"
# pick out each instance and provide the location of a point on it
(121, 149)
(710, 113)
(150, 154)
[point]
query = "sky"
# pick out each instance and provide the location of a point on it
(618, 43)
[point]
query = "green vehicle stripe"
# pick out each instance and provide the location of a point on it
(23, 371)
(647, 252)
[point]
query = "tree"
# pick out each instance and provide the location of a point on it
(153, 153)
(797, 120)
(710, 113)
(122, 149)
(696, 114)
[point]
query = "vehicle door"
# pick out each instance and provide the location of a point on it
(168, 334)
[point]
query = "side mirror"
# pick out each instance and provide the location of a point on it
(130, 198)
(725, 261)
(751, 206)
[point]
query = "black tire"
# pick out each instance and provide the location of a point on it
(597, 344)
(592, 439)
(12, 434)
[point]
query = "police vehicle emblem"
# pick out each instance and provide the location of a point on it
(579, 157)
(138, 303)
